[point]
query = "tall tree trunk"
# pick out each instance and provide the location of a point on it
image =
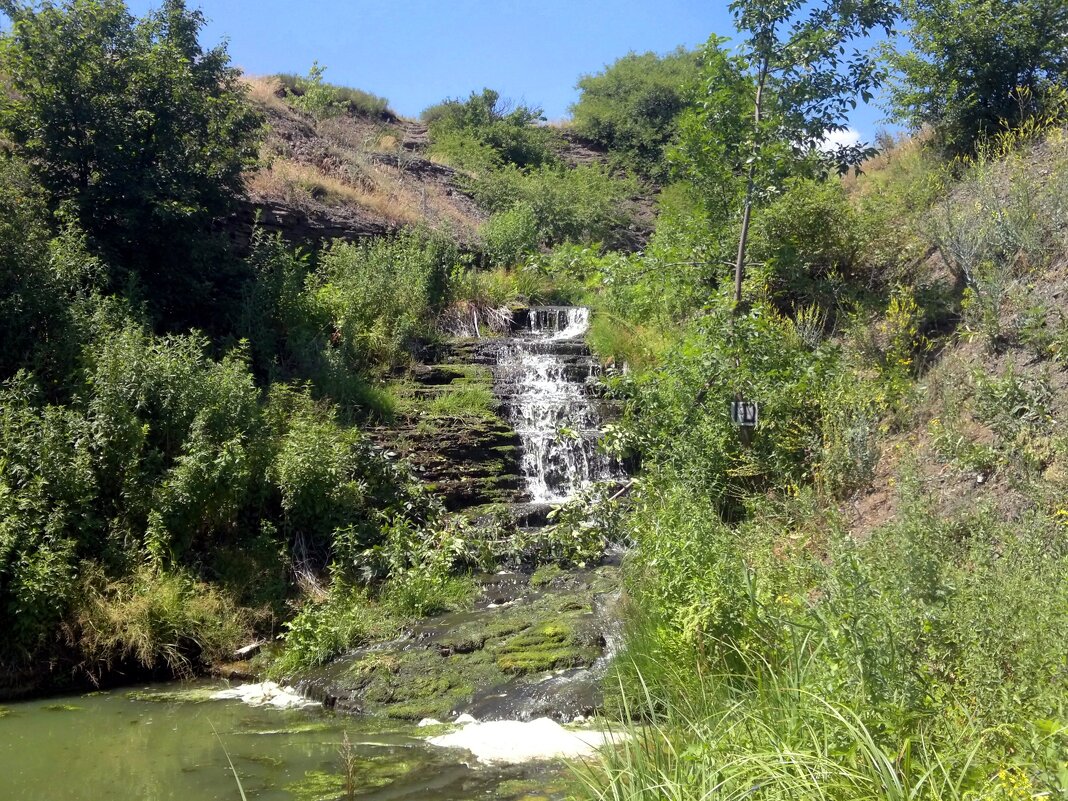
(747, 211)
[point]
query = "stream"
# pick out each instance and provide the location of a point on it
(159, 742)
(156, 744)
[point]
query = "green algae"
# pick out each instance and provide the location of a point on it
(4, 711)
(364, 775)
(61, 708)
(545, 575)
(547, 647)
(451, 660)
(317, 785)
(196, 695)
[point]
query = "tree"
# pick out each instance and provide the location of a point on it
(131, 126)
(632, 108)
(974, 67)
(800, 75)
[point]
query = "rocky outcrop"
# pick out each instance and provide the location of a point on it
(299, 226)
(530, 648)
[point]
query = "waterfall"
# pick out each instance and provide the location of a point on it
(554, 403)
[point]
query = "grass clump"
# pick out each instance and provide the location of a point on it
(465, 402)
(311, 93)
(156, 619)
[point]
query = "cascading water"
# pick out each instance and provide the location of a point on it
(554, 404)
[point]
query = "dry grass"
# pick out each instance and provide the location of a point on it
(348, 176)
(266, 91)
(892, 150)
(303, 186)
(155, 619)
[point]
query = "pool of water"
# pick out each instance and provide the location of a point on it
(157, 743)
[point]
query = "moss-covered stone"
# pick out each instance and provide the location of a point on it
(448, 661)
(546, 647)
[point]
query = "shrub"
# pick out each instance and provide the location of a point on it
(323, 629)
(312, 94)
(154, 620)
(381, 297)
(47, 489)
(336, 489)
(175, 438)
(510, 235)
(807, 240)
(584, 204)
(486, 131)
(631, 108)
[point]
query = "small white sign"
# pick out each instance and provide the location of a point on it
(744, 413)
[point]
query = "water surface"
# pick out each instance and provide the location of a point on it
(157, 744)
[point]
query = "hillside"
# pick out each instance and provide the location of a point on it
(356, 175)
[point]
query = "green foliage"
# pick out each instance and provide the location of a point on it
(33, 320)
(154, 620)
(806, 242)
(379, 297)
(343, 620)
(841, 654)
(47, 484)
(584, 204)
(336, 490)
(312, 94)
(1001, 223)
(510, 235)
(682, 422)
(973, 68)
(135, 131)
(486, 131)
(632, 107)
(174, 435)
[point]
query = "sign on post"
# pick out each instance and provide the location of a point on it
(744, 414)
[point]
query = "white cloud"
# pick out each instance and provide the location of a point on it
(836, 139)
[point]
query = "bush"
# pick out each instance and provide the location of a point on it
(510, 235)
(380, 298)
(486, 131)
(584, 204)
(312, 94)
(807, 242)
(337, 491)
(632, 107)
(47, 489)
(1000, 223)
(177, 439)
(345, 619)
(154, 620)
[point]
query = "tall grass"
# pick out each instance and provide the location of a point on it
(745, 728)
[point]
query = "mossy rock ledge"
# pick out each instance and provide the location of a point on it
(522, 652)
(467, 456)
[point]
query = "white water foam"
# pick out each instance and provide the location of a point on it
(512, 742)
(553, 409)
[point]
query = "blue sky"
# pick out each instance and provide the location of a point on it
(417, 52)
